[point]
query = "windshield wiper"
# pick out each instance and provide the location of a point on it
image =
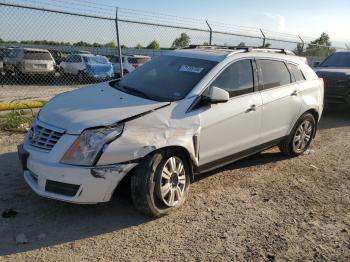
(133, 91)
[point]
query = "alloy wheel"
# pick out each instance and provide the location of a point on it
(302, 136)
(172, 184)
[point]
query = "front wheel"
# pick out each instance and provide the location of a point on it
(160, 183)
(301, 136)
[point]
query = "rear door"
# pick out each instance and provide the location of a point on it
(281, 100)
(231, 127)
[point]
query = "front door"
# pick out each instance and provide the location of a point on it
(231, 127)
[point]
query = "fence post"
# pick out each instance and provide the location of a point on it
(211, 33)
(118, 43)
(302, 43)
(264, 38)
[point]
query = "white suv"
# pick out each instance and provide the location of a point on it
(181, 114)
(129, 62)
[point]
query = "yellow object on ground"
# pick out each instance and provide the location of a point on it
(4, 106)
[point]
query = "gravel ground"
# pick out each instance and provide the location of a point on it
(37, 89)
(265, 208)
(10, 93)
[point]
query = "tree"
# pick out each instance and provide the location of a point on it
(153, 45)
(109, 44)
(320, 47)
(181, 42)
(241, 44)
(139, 46)
(82, 43)
(299, 50)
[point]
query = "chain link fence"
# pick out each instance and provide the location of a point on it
(44, 52)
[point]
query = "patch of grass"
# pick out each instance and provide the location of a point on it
(16, 121)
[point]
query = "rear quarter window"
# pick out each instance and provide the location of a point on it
(274, 73)
(296, 72)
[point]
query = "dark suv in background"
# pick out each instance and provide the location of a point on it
(335, 71)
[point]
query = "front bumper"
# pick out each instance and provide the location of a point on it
(81, 185)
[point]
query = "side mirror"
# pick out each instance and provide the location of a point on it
(217, 95)
(316, 64)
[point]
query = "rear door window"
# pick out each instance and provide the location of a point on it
(274, 73)
(296, 72)
(237, 78)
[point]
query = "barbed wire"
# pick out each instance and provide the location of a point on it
(89, 7)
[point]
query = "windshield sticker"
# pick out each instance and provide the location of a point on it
(191, 69)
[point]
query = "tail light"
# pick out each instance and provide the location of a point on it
(322, 91)
(135, 65)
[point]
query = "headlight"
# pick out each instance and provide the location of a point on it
(89, 144)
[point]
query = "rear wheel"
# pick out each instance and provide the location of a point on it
(161, 182)
(301, 136)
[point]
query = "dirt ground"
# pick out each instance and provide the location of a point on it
(264, 208)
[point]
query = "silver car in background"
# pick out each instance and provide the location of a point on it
(30, 62)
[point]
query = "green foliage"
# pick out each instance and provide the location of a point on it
(110, 44)
(181, 42)
(16, 121)
(55, 43)
(299, 49)
(139, 46)
(320, 47)
(153, 45)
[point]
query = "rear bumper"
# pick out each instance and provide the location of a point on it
(41, 73)
(81, 185)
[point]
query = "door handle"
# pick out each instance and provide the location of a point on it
(251, 109)
(295, 93)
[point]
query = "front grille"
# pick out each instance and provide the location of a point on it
(43, 137)
(61, 188)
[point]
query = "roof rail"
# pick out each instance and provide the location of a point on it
(245, 48)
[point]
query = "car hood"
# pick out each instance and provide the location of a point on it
(332, 71)
(88, 107)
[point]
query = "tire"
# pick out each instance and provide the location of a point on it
(305, 129)
(82, 78)
(154, 174)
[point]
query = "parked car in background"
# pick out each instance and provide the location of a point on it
(87, 66)
(183, 113)
(335, 71)
(30, 62)
(2, 55)
(130, 63)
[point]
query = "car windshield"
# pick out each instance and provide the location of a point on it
(166, 78)
(37, 55)
(95, 60)
(341, 59)
(115, 59)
